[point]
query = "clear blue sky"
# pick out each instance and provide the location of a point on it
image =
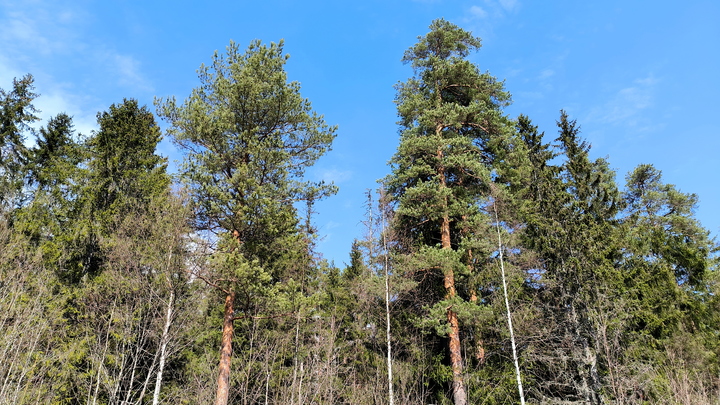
(642, 78)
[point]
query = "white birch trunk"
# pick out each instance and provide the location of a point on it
(163, 348)
(507, 308)
(391, 396)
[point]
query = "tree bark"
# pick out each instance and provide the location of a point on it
(223, 390)
(507, 308)
(163, 348)
(459, 394)
(386, 265)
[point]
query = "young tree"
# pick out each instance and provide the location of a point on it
(249, 136)
(451, 125)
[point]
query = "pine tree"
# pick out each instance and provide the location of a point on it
(451, 128)
(249, 136)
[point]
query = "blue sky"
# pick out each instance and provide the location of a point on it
(641, 78)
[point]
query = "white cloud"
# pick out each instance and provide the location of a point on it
(7, 73)
(547, 73)
(38, 28)
(50, 39)
(331, 225)
(334, 175)
(56, 101)
(127, 70)
(627, 105)
(493, 8)
(478, 12)
(509, 5)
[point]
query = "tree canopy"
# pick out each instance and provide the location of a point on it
(498, 265)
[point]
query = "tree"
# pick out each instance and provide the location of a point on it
(451, 127)
(16, 115)
(55, 155)
(123, 174)
(667, 261)
(664, 230)
(249, 135)
(572, 228)
(53, 178)
(124, 169)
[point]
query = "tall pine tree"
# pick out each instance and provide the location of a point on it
(249, 136)
(451, 126)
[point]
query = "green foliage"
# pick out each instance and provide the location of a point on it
(249, 136)
(124, 170)
(123, 174)
(451, 120)
(457, 149)
(614, 296)
(55, 178)
(667, 260)
(16, 115)
(55, 157)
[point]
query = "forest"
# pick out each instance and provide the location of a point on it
(499, 264)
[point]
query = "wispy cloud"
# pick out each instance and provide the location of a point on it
(509, 5)
(334, 175)
(47, 39)
(127, 70)
(478, 12)
(39, 28)
(57, 100)
(547, 73)
(493, 9)
(627, 105)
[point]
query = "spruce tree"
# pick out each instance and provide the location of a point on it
(123, 174)
(16, 114)
(54, 178)
(571, 225)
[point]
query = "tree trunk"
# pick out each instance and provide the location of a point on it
(459, 394)
(507, 308)
(163, 348)
(479, 343)
(386, 265)
(223, 390)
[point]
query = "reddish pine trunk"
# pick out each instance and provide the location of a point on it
(459, 394)
(223, 390)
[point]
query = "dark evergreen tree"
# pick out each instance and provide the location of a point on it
(16, 114)
(123, 174)
(124, 169)
(54, 179)
(572, 228)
